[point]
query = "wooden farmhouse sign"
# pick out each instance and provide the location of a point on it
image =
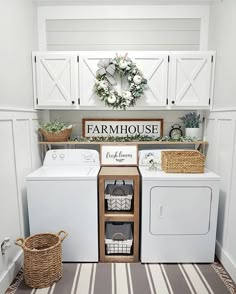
(119, 155)
(122, 127)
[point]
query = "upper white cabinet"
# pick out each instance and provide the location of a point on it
(190, 79)
(154, 67)
(175, 80)
(55, 80)
(87, 75)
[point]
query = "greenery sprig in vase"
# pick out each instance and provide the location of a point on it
(192, 122)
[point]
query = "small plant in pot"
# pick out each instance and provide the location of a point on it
(192, 122)
(55, 131)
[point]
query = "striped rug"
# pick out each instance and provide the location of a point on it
(135, 278)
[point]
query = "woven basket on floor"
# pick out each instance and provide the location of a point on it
(191, 161)
(60, 136)
(42, 259)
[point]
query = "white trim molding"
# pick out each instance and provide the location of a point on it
(223, 110)
(123, 2)
(123, 12)
(226, 260)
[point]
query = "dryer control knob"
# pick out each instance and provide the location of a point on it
(62, 155)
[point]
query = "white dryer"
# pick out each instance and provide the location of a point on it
(62, 195)
(178, 215)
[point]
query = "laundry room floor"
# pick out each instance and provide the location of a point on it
(134, 278)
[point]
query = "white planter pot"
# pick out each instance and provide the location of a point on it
(193, 132)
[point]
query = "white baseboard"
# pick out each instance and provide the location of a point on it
(7, 277)
(226, 261)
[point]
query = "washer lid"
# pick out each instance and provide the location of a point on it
(48, 173)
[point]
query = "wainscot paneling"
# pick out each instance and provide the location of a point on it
(9, 212)
(220, 131)
(19, 155)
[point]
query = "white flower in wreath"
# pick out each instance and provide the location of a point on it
(127, 103)
(126, 94)
(137, 79)
(123, 64)
(111, 99)
(103, 84)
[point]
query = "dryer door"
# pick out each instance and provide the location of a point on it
(180, 210)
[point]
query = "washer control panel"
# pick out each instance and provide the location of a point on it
(73, 157)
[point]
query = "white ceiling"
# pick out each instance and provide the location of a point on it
(121, 2)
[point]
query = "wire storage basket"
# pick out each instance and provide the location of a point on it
(187, 161)
(119, 238)
(61, 136)
(42, 258)
(119, 197)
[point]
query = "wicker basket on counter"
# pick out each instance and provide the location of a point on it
(187, 161)
(42, 258)
(61, 136)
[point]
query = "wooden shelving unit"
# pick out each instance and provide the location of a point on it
(112, 174)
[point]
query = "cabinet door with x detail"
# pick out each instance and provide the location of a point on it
(56, 79)
(190, 82)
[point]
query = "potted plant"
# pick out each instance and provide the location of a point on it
(192, 122)
(55, 131)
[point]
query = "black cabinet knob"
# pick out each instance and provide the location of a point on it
(173, 102)
(73, 102)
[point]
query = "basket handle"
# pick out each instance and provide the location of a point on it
(118, 180)
(119, 189)
(63, 237)
(122, 237)
(20, 242)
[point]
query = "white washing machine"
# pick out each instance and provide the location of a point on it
(178, 215)
(63, 195)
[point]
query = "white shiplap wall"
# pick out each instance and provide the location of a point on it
(162, 16)
(126, 34)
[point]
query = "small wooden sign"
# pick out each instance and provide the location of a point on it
(93, 127)
(119, 155)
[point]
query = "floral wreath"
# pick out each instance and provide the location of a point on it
(105, 82)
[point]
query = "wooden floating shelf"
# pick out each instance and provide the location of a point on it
(126, 143)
